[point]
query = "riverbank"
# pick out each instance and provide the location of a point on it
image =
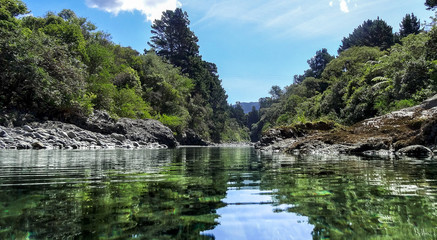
(95, 132)
(410, 131)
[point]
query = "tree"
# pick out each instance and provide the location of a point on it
(173, 39)
(237, 112)
(431, 4)
(9, 9)
(372, 33)
(409, 25)
(318, 63)
(252, 117)
(276, 92)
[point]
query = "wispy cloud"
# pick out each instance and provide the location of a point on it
(152, 9)
(280, 18)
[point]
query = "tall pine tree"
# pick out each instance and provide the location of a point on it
(173, 39)
(409, 25)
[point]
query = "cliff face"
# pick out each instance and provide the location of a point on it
(408, 131)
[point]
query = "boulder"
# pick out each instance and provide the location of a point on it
(72, 134)
(118, 137)
(38, 145)
(23, 145)
(415, 150)
(27, 128)
(189, 137)
(3, 133)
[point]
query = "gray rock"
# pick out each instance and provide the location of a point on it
(3, 133)
(118, 137)
(8, 140)
(38, 145)
(71, 134)
(28, 128)
(38, 135)
(63, 134)
(189, 137)
(24, 145)
(28, 134)
(87, 139)
(415, 150)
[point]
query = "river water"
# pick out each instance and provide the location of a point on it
(214, 193)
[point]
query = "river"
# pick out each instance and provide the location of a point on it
(214, 193)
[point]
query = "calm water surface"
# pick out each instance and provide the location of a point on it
(213, 193)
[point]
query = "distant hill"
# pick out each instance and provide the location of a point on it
(247, 106)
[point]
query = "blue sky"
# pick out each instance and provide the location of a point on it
(255, 43)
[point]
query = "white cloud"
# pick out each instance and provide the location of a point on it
(152, 9)
(343, 6)
(331, 3)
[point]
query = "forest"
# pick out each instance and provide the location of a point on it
(376, 72)
(62, 67)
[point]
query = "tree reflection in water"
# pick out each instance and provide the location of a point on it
(207, 193)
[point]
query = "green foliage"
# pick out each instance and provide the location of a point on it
(317, 65)
(173, 39)
(361, 82)
(372, 33)
(128, 104)
(233, 132)
(176, 123)
(9, 9)
(409, 25)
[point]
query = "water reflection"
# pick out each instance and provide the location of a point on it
(213, 193)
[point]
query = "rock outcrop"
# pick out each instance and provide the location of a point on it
(98, 131)
(410, 131)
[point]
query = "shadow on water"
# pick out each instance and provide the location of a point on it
(213, 193)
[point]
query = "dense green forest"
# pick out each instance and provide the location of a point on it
(376, 71)
(61, 67)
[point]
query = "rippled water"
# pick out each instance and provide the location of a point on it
(213, 193)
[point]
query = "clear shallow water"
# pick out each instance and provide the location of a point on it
(213, 193)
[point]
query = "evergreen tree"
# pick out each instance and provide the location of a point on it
(372, 33)
(173, 39)
(409, 25)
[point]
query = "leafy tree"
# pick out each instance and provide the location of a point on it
(409, 25)
(318, 63)
(275, 92)
(9, 9)
(372, 33)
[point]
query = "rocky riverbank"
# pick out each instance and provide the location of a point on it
(410, 131)
(98, 131)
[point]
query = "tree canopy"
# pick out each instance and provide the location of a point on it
(372, 33)
(173, 39)
(409, 25)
